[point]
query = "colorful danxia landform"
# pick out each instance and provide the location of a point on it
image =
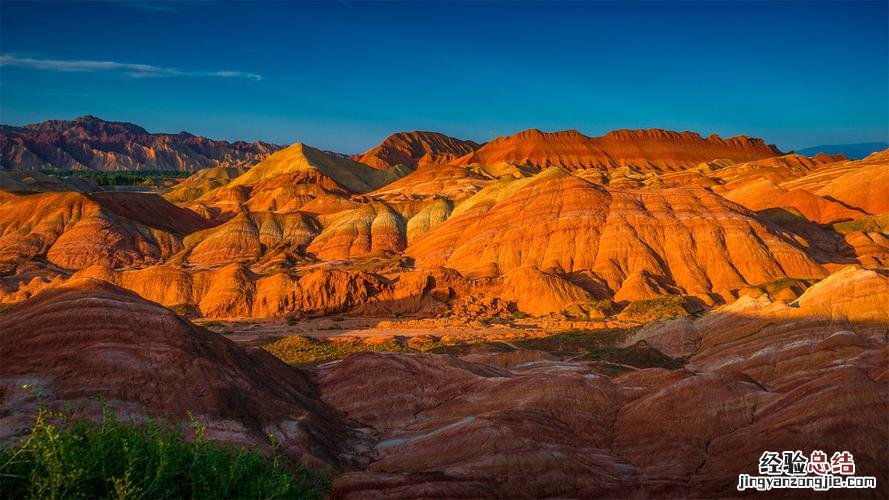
(547, 314)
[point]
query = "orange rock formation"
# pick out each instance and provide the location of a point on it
(416, 148)
(651, 149)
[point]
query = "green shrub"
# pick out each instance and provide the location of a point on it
(301, 349)
(518, 315)
(871, 224)
(120, 177)
(638, 356)
(182, 309)
(643, 311)
(798, 286)
(576, 341)
(602, 346)
(5, 307)
(116, 460)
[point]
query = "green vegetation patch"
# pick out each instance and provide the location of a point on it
(120, 177)
(644, 311)
(795, 285)
(872, 224)
(639, 355)
(5, 307)
(116, 460)
(603, 346)
(300, 349)
(183, 309)
(464, 348)
(575, 342)
(597, 309)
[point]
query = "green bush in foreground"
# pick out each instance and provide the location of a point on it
(116, 460)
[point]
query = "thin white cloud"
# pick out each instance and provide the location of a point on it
(133, 70)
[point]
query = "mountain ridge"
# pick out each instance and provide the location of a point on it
(416, 148)
(91, 143)
(656, 149)
(854, 151)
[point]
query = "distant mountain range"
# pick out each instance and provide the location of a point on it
(651, 149)
(851, 151)
(91, 143)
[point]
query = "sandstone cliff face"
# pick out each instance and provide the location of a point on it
(90, 143)
(655, 149)
(298, 177)
(234, 291)
(341, 172)
(782, 367)
(89, 338)
(203, 182)
(370, 230)
(865, 188)
(693, 239)
(249, 236)
(416, 148)
(636, 231)
(452, 181)
(824, 189)
(74, 231)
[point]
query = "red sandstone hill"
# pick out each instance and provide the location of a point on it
(683, 237)
(89, 338)
(73, 230)
(508, 423)
(650, 149)
(242, 240)
(761, 375)
(90, 143)
(416, 148)
(786, 366)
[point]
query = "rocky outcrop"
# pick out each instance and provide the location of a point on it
(298, 177)
(202, 182)
(539, 293)
(653, 149)
(90, 143)
(416, 148)
(372, 229)
(432, 215)
(865, 188)
(331, 172)
(235, 291)
(690, 238)
(248, 237)
(629, 234)
(73, 231)
(823, 189)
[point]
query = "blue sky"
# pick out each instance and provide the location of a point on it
(343, 75)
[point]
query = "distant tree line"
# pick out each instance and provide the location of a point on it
(118, 177)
